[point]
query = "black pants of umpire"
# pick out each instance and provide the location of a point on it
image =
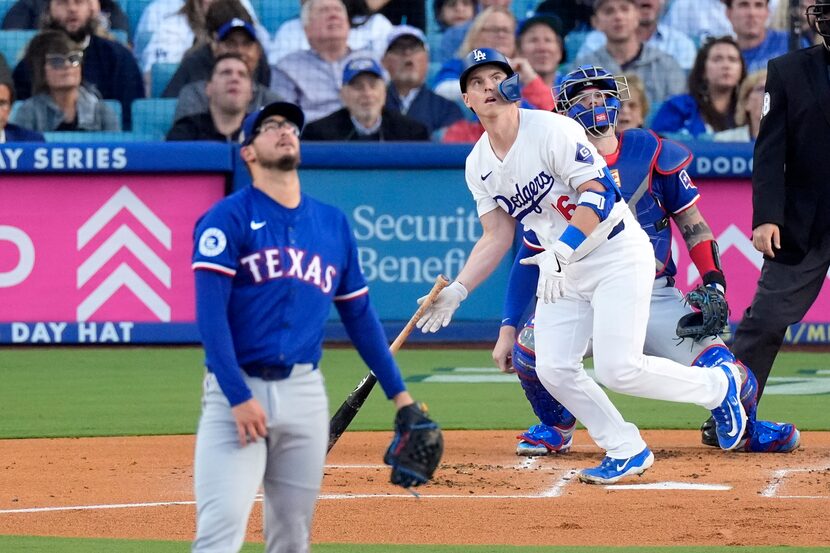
(785, 293)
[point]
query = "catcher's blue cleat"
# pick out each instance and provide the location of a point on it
(541, 439)
(772, 437)
(730, 415)
(611, 470)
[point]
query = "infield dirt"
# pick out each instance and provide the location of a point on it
(141, 487)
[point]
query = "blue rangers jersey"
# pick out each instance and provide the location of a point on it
(287, 266)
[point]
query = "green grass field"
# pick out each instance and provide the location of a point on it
(69, 392)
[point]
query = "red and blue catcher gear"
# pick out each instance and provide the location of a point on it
(654, 181)
(718, 354)
(599, 118)
(509, 88)
(547, 409)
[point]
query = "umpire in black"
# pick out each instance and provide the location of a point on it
(790, 197)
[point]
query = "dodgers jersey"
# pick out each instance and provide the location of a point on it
(287, 265)
(537, 181)
(652, 176)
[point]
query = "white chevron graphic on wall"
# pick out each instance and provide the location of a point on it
(124, 237)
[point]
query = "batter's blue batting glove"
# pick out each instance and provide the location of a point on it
(440, 313)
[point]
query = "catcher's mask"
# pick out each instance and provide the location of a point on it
(508, 88)
(818, 17)
(592, 96)
(524, 349)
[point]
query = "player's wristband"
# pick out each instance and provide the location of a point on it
(572, 237)
(706, 258)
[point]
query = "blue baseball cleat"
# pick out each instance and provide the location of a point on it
(730, 416)
(611, 470)
(772, 437)
(541, 439)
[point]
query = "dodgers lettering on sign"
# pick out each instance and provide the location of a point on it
(462, 228)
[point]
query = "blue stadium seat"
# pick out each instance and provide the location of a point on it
(4, 7)
(115, 105)
(573, 42)
(96, 136)
(272, 14)
(13, 44)
(153, 116)
(120, 35)
(521, 8)
(160, 75)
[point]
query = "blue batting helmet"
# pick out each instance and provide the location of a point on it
(602, 116)
(508, 88)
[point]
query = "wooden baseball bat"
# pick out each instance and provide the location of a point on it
(347, 411)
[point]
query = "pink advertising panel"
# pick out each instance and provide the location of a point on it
(107, 247)
(727, 206)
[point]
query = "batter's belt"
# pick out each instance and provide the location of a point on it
(278, 372)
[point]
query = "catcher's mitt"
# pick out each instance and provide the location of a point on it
(417, 447)
(712, 317)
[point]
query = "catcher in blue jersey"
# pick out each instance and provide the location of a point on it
(651, 173)
(269, 261)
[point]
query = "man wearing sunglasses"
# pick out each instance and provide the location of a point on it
(108, 66)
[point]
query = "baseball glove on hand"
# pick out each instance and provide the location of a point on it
(711, 317)
(416, 448)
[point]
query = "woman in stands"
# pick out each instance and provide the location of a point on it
(716, 76)
(60, 101)
(632, 114)
(748, 114)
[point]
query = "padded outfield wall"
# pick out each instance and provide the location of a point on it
(95, 239)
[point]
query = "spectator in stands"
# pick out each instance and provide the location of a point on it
(453, 37)
(406, 60)
(368, 31)
(229, 91)
(168, 29)
(449, 13)
(540, 43)
(748, 113)
(758, 43)
(197, 64)
(699, 19)
(495, 27)
(780, 19)
(710, 104)
(26, 14)
(237, 37)
(402, 12)
(365, 118)
(311, 78)
(60, 102)
(657, 35)
(625, 51)
(5, 72)
(632, 114)
(8, 131)
(109, 67)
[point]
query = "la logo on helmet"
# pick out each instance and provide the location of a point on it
(478, 55)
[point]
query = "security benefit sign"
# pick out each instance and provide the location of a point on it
(410, 225)
(99, 258)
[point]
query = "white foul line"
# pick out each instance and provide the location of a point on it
(559, 485)
(777, 478)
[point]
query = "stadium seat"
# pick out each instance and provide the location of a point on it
(120, 35)
(573, 42)
(153, 116)
(13, 44)
(272, 14)
(115, 105)
(134, 9)
(160, 75)
(523, 8)
(4, 7)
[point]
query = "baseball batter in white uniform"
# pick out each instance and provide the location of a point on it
(595, 275)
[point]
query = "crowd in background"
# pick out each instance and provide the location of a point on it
(386, 70)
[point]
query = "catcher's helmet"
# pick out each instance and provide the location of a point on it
(508, 88)
(818, 16)
(603, 115)
(524, 350)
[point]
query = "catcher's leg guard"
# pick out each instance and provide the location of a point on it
(772, 437)
(556, 431)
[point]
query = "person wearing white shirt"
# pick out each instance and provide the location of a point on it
(698, 18)
(164, 34)
(366, 33)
